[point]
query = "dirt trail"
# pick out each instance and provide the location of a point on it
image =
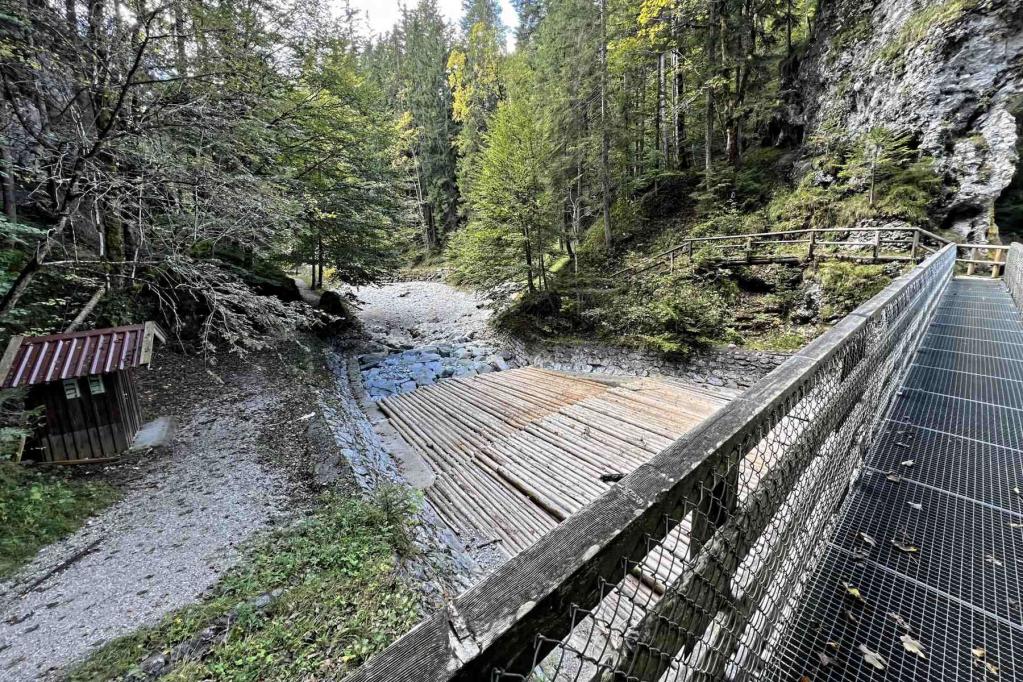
(185, 510)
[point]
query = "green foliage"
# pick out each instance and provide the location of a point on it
(847, 285)
(932, 17)
(880, 175)
(40, 507)
(669, 313)
(512, 207)
(341, 600)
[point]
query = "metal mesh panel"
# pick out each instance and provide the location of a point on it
(712, 595)
(696, 565)
(1014, 272)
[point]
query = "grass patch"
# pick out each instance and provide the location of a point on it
(931, 18)
(340, 600)
(39, 507)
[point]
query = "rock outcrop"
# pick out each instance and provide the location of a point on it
(948, 71)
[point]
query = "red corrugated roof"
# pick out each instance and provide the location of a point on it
(41, 359)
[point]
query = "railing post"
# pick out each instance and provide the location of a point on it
(877, 244)
(995, 267)
(690, 251)
(916, 245)
(971, 267)
(813, 243)
(671, 262)
(749, 249)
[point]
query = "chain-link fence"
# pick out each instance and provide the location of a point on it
(691, 567)
(1014, 272)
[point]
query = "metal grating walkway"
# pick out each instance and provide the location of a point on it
(941, 506)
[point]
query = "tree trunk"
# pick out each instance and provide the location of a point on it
(605, 141)
(10, 206)
(711, 67)
(529, 262)
(678, 91)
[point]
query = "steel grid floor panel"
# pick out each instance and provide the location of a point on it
(962, 466)
(972, 364)
(974, 333)
(972, 346)
(978, 421)
(967, 386)
(953, 442)
(962, 548)
(993, 317)
(946, 629)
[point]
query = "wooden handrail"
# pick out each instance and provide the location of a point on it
(746, 243)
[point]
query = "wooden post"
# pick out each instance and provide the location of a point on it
(971, 267)
(749, 249)
(995, 267)
(916, 244)
(671, 257)
(690, 251)
(877, 245)
(812, 246)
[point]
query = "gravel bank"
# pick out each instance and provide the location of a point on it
(186, 508)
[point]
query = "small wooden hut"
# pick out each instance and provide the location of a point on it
(86, 385)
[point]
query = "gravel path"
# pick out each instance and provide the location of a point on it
(415, 312)
(170, 538)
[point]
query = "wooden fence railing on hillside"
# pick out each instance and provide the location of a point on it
(867, 245)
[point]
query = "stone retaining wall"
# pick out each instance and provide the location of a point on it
(729, 367)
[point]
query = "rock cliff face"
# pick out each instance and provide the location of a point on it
(949, 71)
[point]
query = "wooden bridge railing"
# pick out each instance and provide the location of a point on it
(866, 245)
(693, 560)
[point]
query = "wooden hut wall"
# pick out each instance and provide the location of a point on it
(91, 426)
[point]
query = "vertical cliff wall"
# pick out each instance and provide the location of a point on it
(949, 71)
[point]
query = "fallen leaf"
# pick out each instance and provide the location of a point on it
(833, 644)
(893, 477)
(899, 620)
(992, 559)
(851, 616)
(991, 668)
(873, 658)
(915, 505)
(1013, 524)
(825, 659)
(1018, 491)
(901, 445)
(868, 539)
(978, 651)
(853, 591)
(906, 547)
(907, 462)
(913, 646)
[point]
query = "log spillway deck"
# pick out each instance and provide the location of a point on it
(932, 534)
(516, 452)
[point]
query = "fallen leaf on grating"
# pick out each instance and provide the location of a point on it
(899, 620)
(833, 645)
(854, 592)
(850, 616)
(907, 462)
(913, 646)
(873, 658)
(893, 477)
(992, 559)
(825, 659)
(1018, 491)
(867, 539)
(978, 652)
(906, 547)
(915, 505)
(1013, 524)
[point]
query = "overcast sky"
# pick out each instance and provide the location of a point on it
(382, 14)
